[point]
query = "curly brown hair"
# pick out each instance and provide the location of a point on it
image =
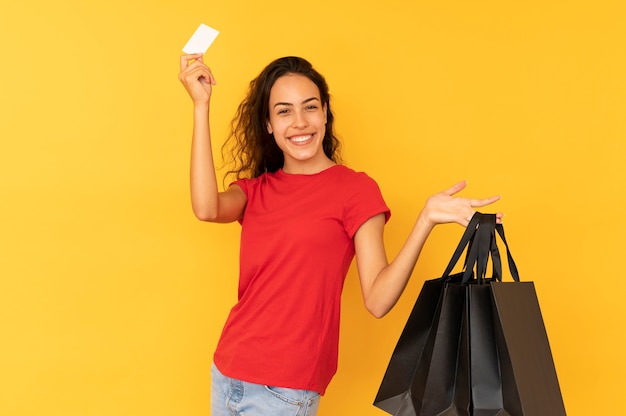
(251, 149)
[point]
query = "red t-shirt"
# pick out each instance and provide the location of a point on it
(296, 248)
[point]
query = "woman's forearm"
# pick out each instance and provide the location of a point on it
(203, 181)
(391, 280)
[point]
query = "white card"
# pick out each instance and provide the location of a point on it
(200, 41)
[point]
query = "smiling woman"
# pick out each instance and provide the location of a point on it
(297, 120)
(304, 218)
(285, 86)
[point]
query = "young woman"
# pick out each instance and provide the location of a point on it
(304, 217)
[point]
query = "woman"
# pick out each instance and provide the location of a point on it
(304, 217)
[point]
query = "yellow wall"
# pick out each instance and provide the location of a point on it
(112, 295)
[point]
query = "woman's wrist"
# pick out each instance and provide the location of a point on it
(424, 222)
(201, 108)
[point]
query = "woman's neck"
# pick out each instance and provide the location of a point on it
(309, 167)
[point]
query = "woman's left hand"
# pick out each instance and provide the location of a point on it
(444, 207)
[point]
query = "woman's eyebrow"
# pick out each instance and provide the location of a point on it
(303, 102)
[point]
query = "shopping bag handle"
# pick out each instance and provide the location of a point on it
(485, 246)
(480, 239)
(511, 262)
(466, 239)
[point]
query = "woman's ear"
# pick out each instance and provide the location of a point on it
(325, 113)
(269, 128)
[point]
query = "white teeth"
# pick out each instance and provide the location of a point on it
(300, 139)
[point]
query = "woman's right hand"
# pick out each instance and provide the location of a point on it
(196, 78)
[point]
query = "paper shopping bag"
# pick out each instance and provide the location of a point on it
(473, 345)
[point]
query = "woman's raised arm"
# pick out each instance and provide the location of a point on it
(207, 202)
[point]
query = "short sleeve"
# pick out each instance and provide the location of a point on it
(363, 200)
(242, 183)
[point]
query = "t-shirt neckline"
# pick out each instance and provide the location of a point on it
(281, 172)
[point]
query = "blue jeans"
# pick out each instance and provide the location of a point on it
(231, 397)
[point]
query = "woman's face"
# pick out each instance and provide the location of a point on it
(297, 119)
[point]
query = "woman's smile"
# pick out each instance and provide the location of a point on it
(301, 139)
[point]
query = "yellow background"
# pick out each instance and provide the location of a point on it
(112, 295)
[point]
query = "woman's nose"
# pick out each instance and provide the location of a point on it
(299, 119)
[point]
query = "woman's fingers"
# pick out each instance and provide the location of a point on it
(195, 71)
(445, 207)
(456, 188)
(186, 59)
(196, 77)
(484, 201)
(499, 217)
(474, 202)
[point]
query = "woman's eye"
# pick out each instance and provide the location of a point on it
(283, 111)
(311, 107)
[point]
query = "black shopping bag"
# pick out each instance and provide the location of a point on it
(430, 348)
(415, 357)
(472, 345)
(529, 379)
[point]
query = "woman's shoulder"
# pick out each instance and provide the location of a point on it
(352, 174)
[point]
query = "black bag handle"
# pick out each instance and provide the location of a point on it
(480, 239)
(466, 239)
(486, 238)
(511, 262)
(482, 248)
